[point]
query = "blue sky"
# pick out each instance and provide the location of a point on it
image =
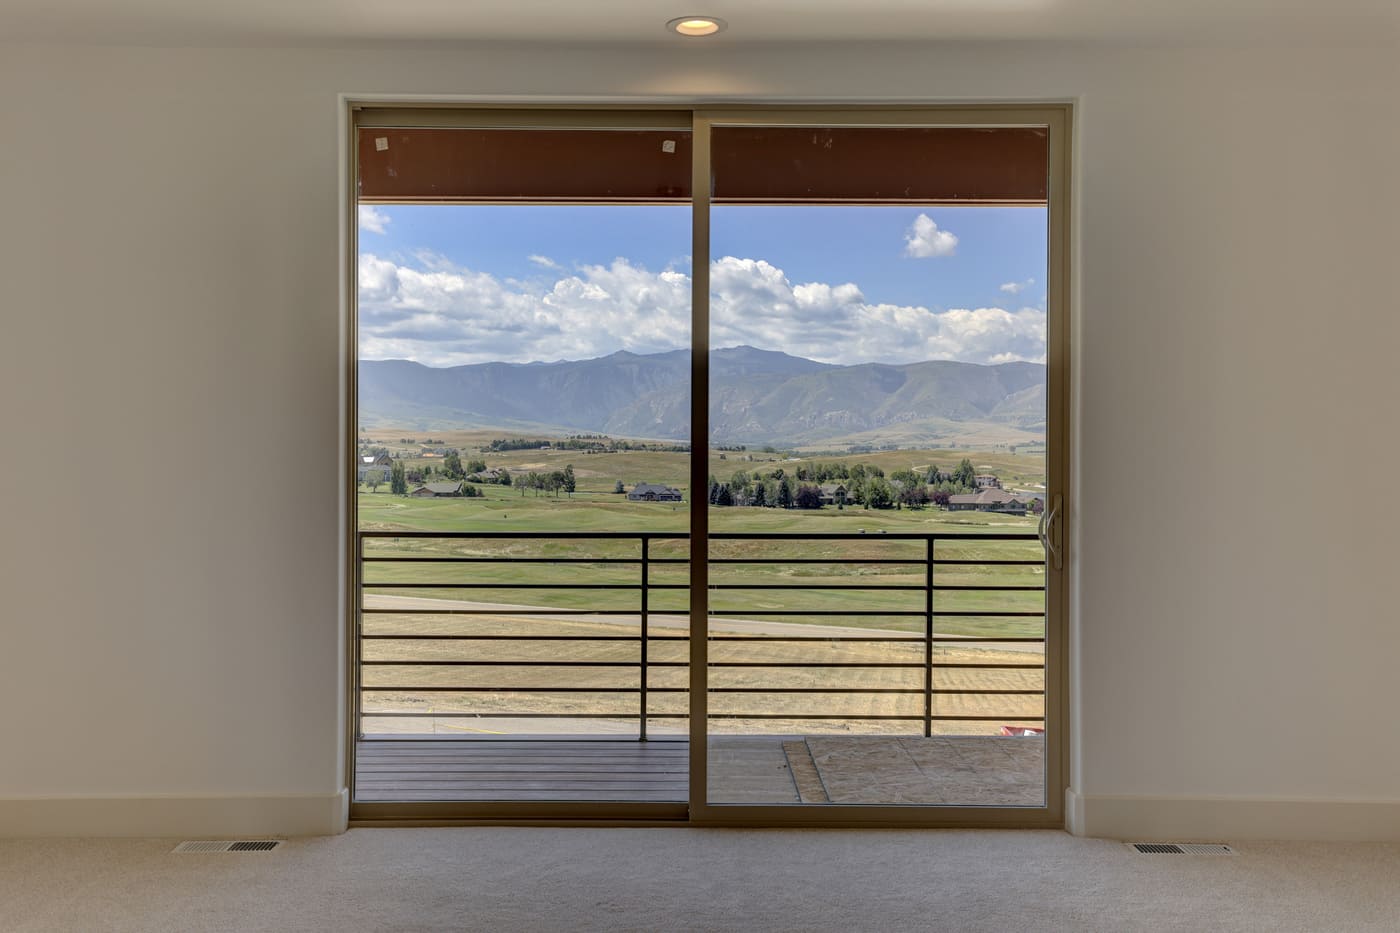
(448, 284)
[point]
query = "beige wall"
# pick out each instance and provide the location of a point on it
(168, 267)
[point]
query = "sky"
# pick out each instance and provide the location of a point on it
(447, 285)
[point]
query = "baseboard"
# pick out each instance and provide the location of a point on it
(299, 815)
(1225, 819)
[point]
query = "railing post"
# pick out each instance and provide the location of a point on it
(928, 639)
(646, 584)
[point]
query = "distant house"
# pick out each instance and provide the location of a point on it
(654, 492)
(989, 500)
(833, 493)
(382, 462)
(987, 481)
(485, 476)
(437, 490)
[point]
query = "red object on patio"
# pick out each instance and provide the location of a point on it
(1021, 730)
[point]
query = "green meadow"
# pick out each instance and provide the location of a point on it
(595, 507)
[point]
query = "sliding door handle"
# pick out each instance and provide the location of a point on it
(1050, 532)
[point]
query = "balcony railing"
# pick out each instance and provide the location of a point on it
(914, 629)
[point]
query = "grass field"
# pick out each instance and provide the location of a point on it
(594, 507)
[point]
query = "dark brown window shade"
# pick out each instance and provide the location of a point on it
(763, 164)
(469, 165)
(751, 164)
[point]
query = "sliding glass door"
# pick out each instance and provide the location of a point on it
(878, 324)
(709, 465)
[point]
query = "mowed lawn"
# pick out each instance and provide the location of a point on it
(594, 507)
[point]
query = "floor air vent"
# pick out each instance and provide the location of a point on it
(230, 845)
(1181, 848)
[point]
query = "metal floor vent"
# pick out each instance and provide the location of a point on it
(1181, 848)
(230, 845)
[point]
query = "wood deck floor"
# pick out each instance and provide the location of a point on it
(943, 770)
(522, 770)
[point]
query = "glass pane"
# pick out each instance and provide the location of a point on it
(878, 429)
(523, 408)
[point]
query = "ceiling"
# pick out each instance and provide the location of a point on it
(357, 22)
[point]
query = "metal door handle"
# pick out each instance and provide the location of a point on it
(1046, 531)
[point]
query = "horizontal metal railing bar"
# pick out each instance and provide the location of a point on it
(535, 535)
(817, 560)
(714, 536)
(494, 663)
(747, 639)
(912, 691)
(878, 614)
(900, 639)
(410, 688)
(863, 536)
(624, 638)
(545, 610)
(816, 586)
(509, 612)
(525, 560)
(429, 585)
(781, 666)
(832, 718)
(871, 717)
(630, 714)
(913, 587)
(785, 691)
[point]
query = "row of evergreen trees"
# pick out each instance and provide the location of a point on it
(858, 484)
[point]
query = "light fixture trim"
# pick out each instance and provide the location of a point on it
(697, 27)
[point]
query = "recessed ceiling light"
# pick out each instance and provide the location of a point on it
(697, 25)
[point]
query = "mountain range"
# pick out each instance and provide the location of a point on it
(757, 397)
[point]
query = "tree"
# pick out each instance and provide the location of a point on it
(906, 477)
(504, 477)
(374, 479)
(940, 497)
(723, 496)
(475, 466)
(398, 483)
(914, 496)
(808, 497)
(415, 476)
(471, 492)
(878, 494)
(452, 465)
(570, 483)
(784, 495)
(618, 488)
(759, 497)
(965, 475)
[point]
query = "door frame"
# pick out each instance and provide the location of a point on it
(1057, 119)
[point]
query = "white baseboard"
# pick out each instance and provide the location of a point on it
(301, 815)
(1225, 819)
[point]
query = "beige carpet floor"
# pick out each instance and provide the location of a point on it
(533, 879)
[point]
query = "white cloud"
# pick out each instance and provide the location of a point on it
(544, 262)
(1015, 288)
(923, 239)
(373, 219)
(447, 315)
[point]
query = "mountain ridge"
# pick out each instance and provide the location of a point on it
(757, 396)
